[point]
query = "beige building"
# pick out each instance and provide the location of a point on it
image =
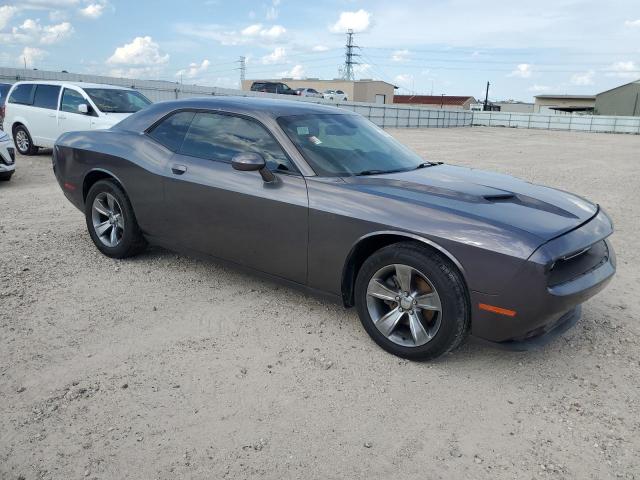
(564, 103)
(370, 91)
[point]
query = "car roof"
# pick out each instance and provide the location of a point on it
(252, 106)
(74, 84)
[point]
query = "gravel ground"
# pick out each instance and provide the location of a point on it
(149, 368)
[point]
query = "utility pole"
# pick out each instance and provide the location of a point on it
(243, 68)
(486, 99)
(349, 57)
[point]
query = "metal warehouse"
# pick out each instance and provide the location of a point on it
(622, 100)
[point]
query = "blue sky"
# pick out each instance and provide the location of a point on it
(441, 46)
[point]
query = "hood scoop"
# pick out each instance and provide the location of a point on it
(501, 197)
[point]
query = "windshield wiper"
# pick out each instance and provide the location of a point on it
(428, 164)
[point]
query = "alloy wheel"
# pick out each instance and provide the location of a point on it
(22, 141)
(404, 305)
(108, 222)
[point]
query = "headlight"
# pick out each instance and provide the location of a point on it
(4, 137)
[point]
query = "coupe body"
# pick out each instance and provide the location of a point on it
(321, 198)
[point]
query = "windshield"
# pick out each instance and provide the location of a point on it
(338, 145)
(111, 100)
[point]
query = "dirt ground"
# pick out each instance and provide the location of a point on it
(150, 368)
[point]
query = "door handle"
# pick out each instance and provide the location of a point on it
(62, 117)
(178, 169)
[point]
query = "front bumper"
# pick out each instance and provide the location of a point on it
(540, 305)
(7, 157)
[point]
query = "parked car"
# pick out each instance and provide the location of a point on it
(338, 95)
(308, 92)
(36, 113)
(272, 87)
(322, 199)
(7, 157)
(4, 90)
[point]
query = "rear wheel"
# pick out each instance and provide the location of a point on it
(23, 142)
(412, 301)
(111, 221)
(6, 176)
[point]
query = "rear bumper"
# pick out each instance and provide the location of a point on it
(540, 309)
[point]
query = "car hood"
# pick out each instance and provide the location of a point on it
(496, 198)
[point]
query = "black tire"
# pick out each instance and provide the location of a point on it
(29, 148)
(6, 176)
(132, 241)
(449, 284)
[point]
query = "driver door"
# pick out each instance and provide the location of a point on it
(236, 215)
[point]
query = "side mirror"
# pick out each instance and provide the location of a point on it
(250, 162)
(83, 108)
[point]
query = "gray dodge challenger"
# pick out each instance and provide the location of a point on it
(322, 199)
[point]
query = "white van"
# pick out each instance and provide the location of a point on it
(37, 113)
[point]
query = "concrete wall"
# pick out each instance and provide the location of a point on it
(359, 91)
(382, 115)
(624, 100)
(581, 123)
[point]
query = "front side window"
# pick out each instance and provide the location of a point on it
(46, 96)
(113, 100)
(70, 101)
(337, 145)
(22, 94)
(170, 132)
(220, 137)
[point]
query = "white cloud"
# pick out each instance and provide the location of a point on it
(194, 69)
(93, 11)
(583, 79)
(404, 79)
(296, 72)
(632, 23)
(523, 71)
(255, 34)
(277, 56)
(357, 21)
(624, 70)
(30, 56)
(141, 51)
(361, 69)
(258, 31)
(400, 55)
(6, 14)
(31, 31)
(539, 88)
(320, 48)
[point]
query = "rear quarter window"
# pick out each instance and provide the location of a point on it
(22, 94)
(170, 132)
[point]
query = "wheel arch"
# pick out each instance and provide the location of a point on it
(95, 175)
(366, 245)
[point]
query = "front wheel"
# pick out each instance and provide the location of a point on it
(111, 221)
(23, 142)
(412, 301)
